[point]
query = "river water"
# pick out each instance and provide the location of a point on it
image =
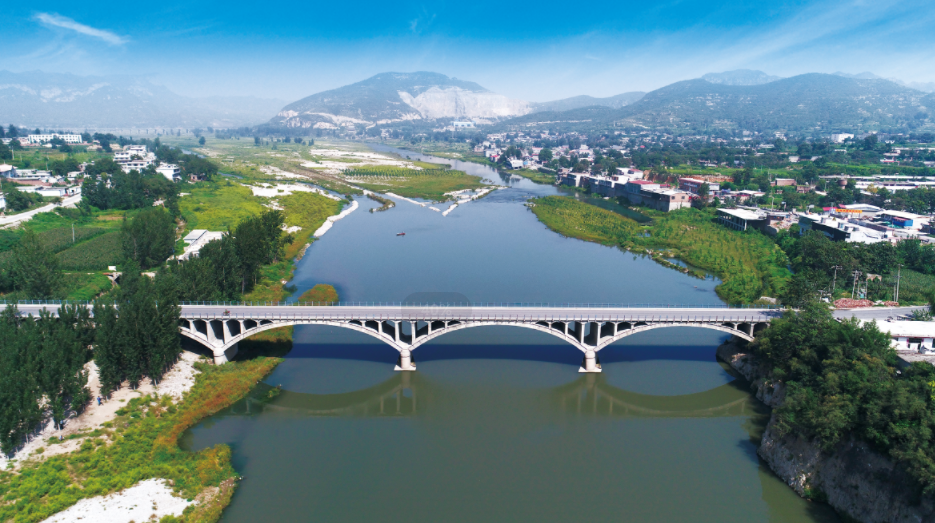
(497, 424)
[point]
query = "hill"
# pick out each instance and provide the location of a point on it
(802, 103)
(740, 77)
(39, 99)
(395, 97)
(614, 102)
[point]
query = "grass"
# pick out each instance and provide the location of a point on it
(141, 443)
(80, 286)
(535, 176)
(308, 211)
(430, 184)
(914, 286)
(749, 264)
(217, 206)
(320, 293)
(95, 254)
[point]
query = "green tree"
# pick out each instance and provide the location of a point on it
(34, 269)
(149, 239)
(201, 141)
(545, 155)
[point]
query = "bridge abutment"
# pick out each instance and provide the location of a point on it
(222, 355)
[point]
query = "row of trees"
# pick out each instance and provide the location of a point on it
(226, 269)
(41, 369)
(137, 332)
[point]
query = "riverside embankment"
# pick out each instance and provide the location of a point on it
(854, 478)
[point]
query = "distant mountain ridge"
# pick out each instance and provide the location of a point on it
(395, 97)
(804, 102)
(740, 77)
(575, 102)
(40, 99)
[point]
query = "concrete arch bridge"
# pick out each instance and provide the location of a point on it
(405, 328)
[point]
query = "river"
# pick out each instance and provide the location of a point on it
(497, 424)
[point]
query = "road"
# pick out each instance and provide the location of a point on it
(26, 216)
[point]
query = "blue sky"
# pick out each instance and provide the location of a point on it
(534, 51)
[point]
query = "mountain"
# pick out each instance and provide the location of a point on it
(614, 102)
(52, 100)
(802, 103)
(740, 77)
(395, 97)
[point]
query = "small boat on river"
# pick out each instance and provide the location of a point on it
(400, 234)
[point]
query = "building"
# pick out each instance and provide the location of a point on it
(910, 336)
(841, 230)
(197, 239)
(743, 219)
(7, 171)
(463, 125)
(633, 174)
(515, 164)
(635, 187)
(573, 179)
(783, 182)
(840, 137)
(135, 165)
(170, 171)
(860, 210)
(665, 199)
(45, 138)
(902, 220)
(692, 184)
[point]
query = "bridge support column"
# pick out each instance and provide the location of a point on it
(405, 361)
(224, 356)
(590, 362)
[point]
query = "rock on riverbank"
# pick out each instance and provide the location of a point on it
(853, 478)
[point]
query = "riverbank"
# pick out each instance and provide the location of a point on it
(749, 264)
(140, 443)
(853, 477)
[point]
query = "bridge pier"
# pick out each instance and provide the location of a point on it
(222, 356)
(405, 361)
(590, 362)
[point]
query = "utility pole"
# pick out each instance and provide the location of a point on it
(72, 232)
(854, 287)
(835, 280)
(898, 270)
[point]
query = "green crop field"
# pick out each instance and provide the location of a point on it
(215, 206)
(429, 184)
(95, 254)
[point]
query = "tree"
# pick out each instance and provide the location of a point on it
(256, 140)
(149, 239)
(201, 141)
(703, 190)
(545, 155)
(34, 270)
(142, 340)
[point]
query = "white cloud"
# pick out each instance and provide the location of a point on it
(64, 22)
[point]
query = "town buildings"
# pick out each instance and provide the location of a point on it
(46, 138)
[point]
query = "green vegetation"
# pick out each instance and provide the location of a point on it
(149, 238)
(308, 211)
(80, 286)
(814, 258)
(386, 203)
(841, 379)
(41, 368)
(218, 206)
(140, 444)
(320, 293)
(535, 176)
(429, 184)
(749, 264)
(95, 254)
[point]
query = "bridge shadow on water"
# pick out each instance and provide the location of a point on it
(509, 343)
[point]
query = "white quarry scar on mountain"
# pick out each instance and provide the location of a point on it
(454, 102)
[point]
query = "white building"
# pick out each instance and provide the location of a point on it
(198, 239)
(840, 137)
(910, 336)
(170, 171)
(45, 138)
(135, 165)
(463, 125)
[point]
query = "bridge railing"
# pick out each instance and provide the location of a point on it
(429, 304)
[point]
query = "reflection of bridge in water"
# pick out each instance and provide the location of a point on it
(406, 393)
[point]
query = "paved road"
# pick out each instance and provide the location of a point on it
(26, 216)
(876, 313)
(499, 313)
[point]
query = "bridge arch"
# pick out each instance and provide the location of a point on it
(223, 335)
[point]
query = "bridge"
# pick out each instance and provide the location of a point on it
(220, 327)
